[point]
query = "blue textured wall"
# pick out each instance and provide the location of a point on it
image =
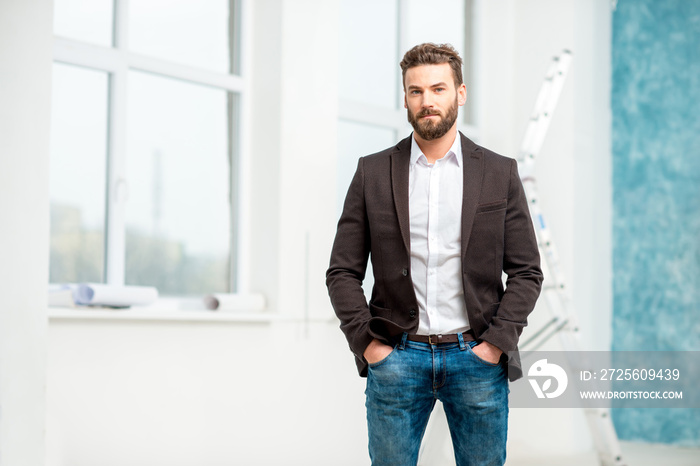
(656, 196)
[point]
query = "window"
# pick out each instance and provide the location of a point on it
(145, 144)
(372, 116)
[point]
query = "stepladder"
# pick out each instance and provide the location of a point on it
(555, 296)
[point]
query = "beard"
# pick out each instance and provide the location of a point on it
(428, 129)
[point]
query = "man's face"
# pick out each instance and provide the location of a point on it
(432, 100)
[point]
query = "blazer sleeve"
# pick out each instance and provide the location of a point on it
(348, 265)
(521, 263)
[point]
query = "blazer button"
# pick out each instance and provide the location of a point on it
(404, 271)
(412, 313)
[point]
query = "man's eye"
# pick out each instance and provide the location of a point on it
(439, 89)
(415, 92)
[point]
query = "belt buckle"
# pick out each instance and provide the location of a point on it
(439, 339)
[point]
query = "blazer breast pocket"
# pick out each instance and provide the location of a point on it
(492, 206)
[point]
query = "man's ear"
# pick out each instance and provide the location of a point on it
(405, 104)
(462, 95)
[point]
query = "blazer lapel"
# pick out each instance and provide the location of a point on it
(400, 159)
(473, 159)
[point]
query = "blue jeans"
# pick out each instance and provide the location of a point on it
(401, 392)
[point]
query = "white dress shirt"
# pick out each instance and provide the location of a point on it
(435, 207)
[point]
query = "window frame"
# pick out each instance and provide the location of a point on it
(117, 61)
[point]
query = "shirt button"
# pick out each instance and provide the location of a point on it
(412, 313)
(404, 271)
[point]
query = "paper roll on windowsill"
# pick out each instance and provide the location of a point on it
(97, 294)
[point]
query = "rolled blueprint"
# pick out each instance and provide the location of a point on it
(96, 294)
(234, 302)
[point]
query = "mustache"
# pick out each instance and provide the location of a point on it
(426, 112)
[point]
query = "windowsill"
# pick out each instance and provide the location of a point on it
(155, 314)
(166, 309)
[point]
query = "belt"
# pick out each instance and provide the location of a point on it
(438, 339)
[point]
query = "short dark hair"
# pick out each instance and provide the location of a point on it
(432, 54)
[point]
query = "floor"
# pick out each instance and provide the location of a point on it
(633, 454)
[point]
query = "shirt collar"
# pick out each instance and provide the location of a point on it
(456, 149)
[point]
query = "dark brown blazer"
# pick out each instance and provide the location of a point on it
(497, 236)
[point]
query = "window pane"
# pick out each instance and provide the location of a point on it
(439, 21)
(368, 42)
(178, 172)
(89, 21)
(183, 31)
(78, 173)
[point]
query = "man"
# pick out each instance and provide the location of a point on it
(441, 219)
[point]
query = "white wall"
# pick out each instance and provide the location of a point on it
(210, 394)
(285, 392)
(25, 86)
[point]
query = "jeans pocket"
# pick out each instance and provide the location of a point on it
(374, 365)
(482, 361)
